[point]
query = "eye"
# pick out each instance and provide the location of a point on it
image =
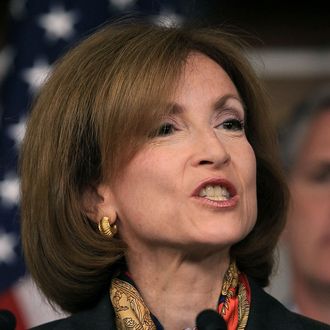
(165, 129)
(233, 125)
(322, 175)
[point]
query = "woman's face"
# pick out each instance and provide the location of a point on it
(193, 185)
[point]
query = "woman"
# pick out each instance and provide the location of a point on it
(144, 158)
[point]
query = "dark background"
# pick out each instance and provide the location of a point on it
(273, 23)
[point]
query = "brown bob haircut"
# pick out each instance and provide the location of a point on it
(104, 99)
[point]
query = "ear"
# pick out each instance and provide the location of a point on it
(97, 202)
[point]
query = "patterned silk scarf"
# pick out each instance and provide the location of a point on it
(132, 313)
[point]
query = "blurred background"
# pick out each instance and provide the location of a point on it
(290, 49)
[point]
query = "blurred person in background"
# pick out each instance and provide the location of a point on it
(305, 143)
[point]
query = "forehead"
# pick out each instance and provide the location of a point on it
(203, 77)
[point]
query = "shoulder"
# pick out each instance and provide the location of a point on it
(268, 313)
(100, 317)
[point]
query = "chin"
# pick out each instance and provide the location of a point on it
(222, 238)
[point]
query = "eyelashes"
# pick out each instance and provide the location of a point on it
(165, 129)
(321, 175)
(233, 124)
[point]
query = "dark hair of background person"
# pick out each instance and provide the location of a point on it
(293, 131)
(104, 100)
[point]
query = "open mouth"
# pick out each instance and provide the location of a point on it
(215, 193)
(217, 190)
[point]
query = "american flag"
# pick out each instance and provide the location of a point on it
(39, 32)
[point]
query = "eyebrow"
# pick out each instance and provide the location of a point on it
(219, 104)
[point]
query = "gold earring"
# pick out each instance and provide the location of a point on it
(106, 228)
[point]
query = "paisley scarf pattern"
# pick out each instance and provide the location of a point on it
(132, 313)
(235, 298)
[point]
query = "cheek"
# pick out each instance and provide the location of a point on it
(304, 213)
(253, 163)
(244, 161)
(247, 168)
(155, 174)
(305, 204)
(144, 185)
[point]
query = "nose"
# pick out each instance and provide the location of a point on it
(209, 150)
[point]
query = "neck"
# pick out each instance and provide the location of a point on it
(312, 298)
(176, 287)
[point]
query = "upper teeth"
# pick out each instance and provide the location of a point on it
(217, 193)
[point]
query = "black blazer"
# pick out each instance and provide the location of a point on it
(266, 313)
